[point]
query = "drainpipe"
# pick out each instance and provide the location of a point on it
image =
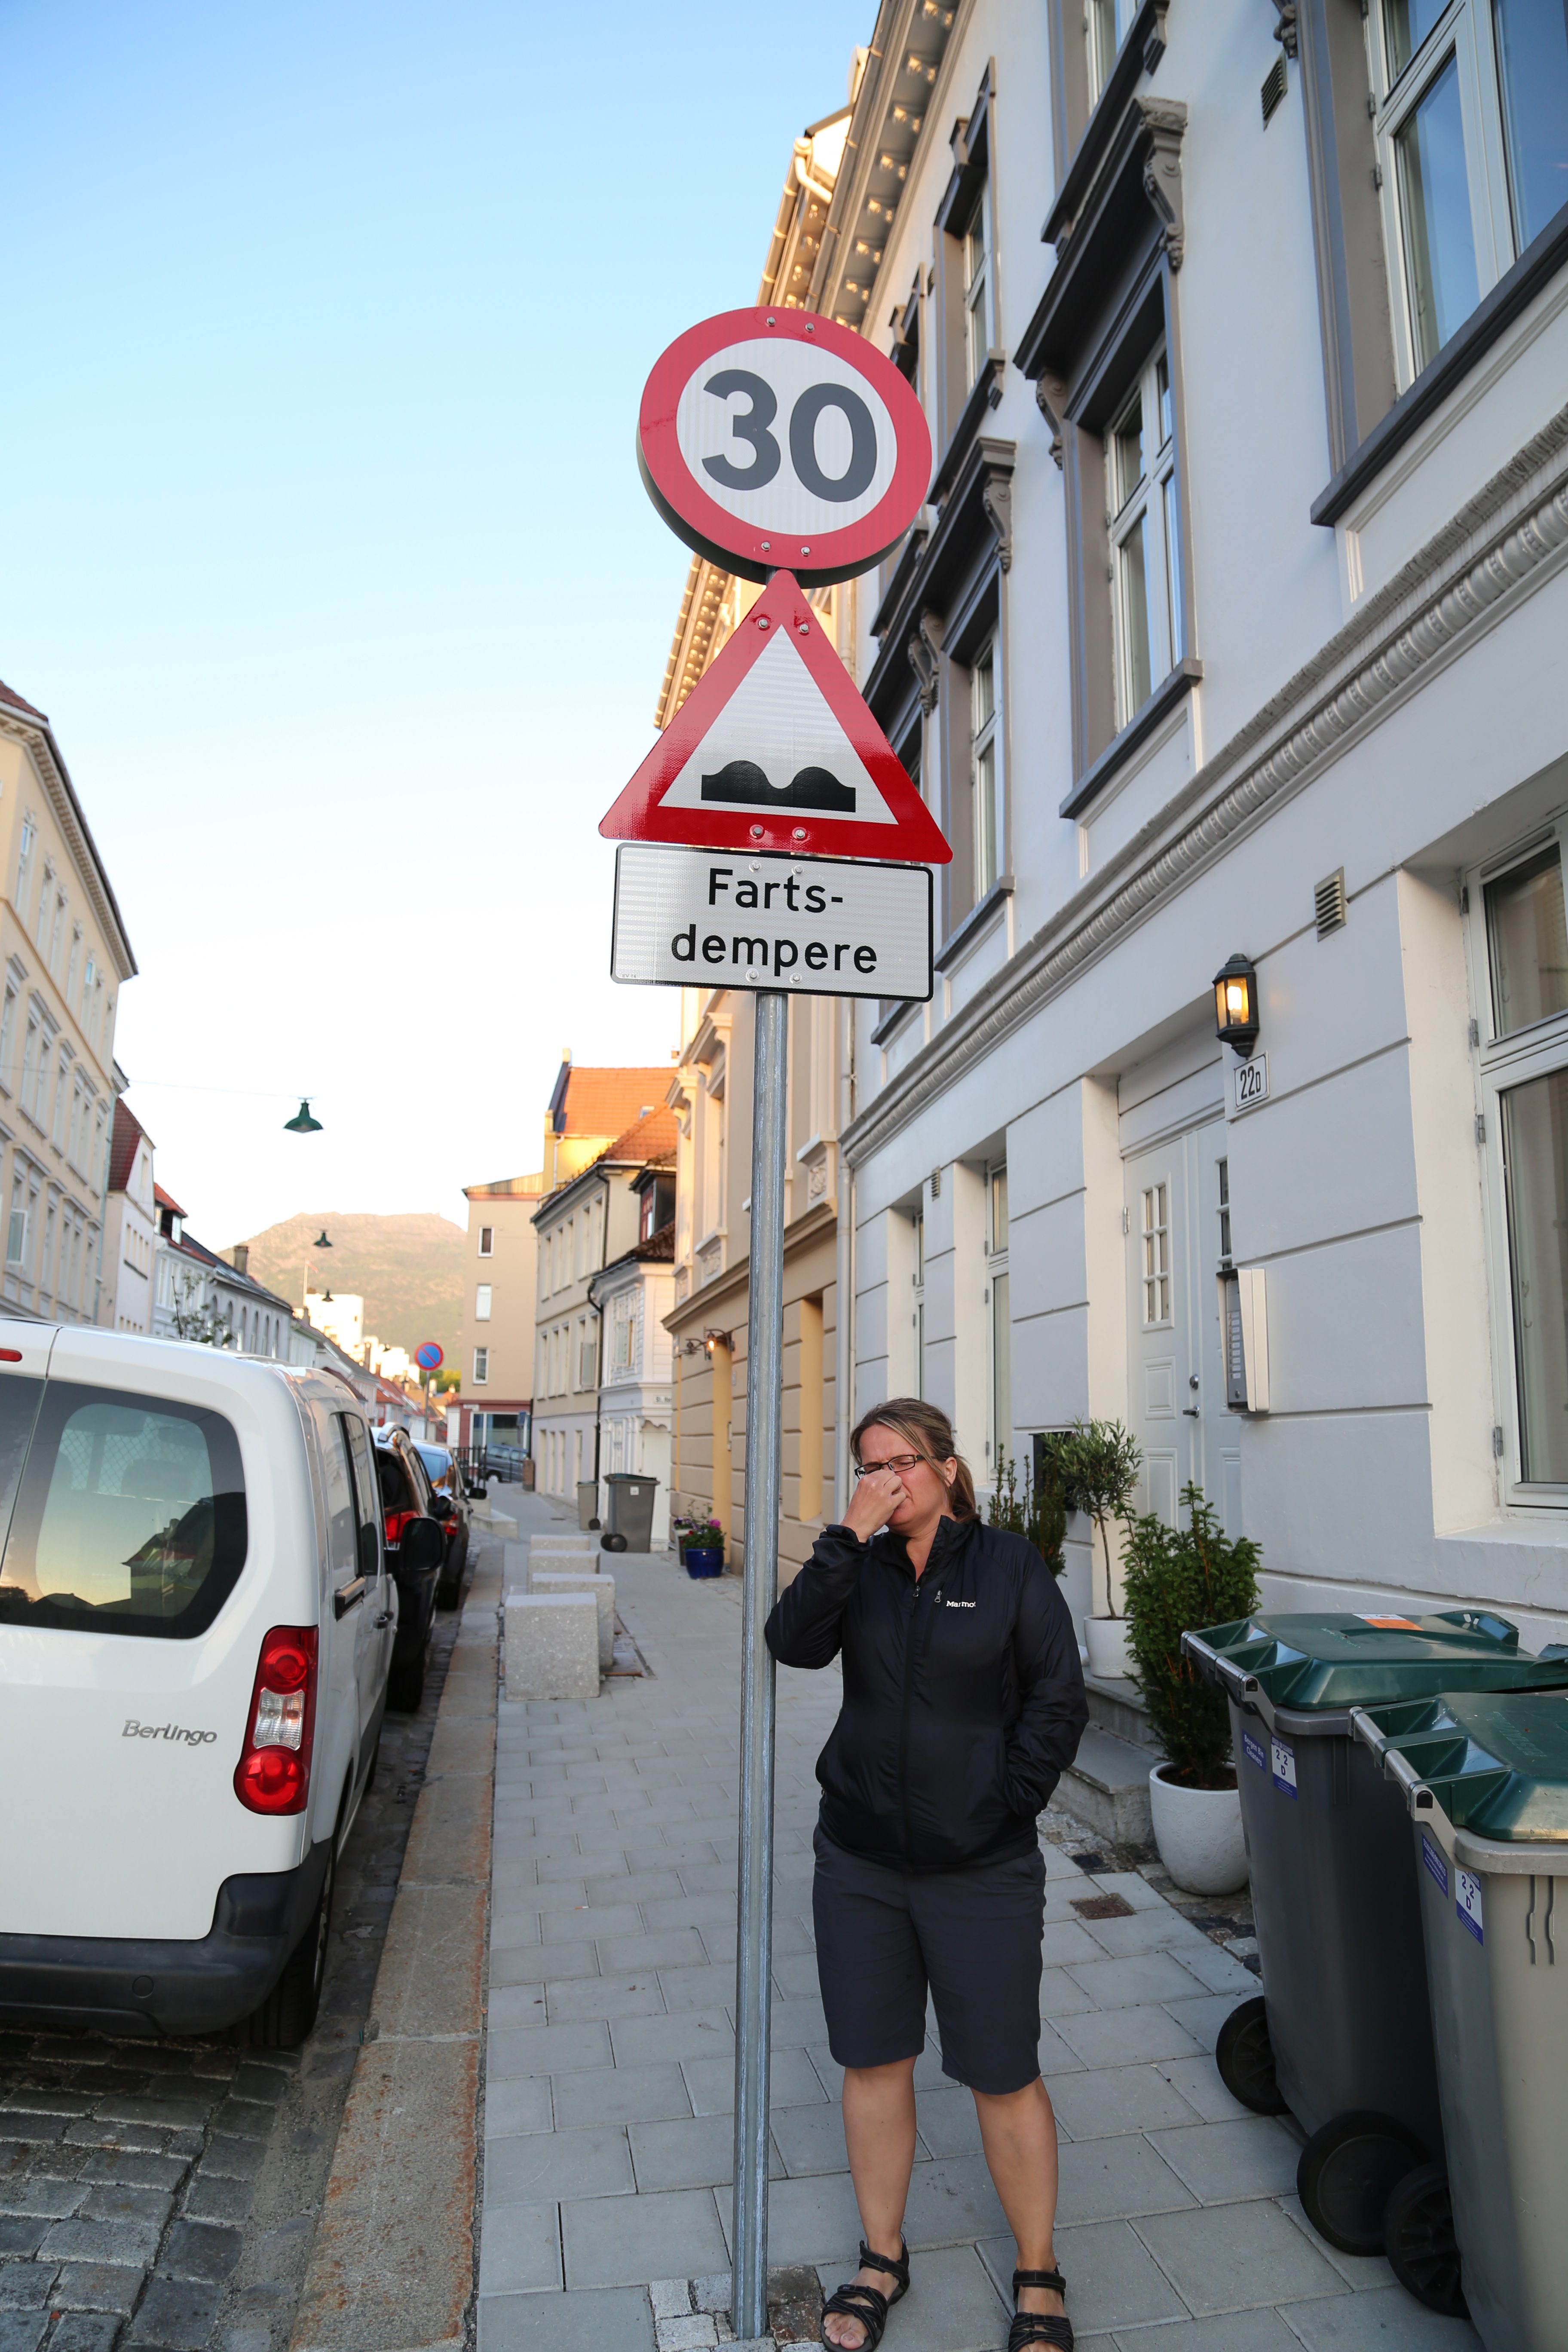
(844, 1336)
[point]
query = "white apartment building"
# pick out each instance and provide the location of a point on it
(1232, 629)
(130, 1224)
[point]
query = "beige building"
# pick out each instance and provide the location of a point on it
(495, 1349)
(584, 1225)
(66, 959)
(130, 1224)
(712, 1090)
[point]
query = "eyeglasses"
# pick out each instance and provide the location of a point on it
(898, 1462)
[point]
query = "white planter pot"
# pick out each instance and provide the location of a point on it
(1198, 1833)
(1105, 1638)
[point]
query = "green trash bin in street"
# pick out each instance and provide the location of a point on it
(629, 1516)
(1484, 1777)
(1340, 2035)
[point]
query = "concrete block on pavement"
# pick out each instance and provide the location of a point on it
(551, 1646)
(584, 1580)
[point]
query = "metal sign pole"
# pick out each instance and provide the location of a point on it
(753, 1960)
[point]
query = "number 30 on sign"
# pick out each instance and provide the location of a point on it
(774, 440)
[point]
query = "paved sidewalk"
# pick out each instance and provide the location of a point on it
(611, 2048)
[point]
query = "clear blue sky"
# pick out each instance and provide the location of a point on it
(324, 545)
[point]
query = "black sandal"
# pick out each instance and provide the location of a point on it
(1039, 2326)
(869, 2305)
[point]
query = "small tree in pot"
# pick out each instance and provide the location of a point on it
(1035, 1510)
(1097, 1462)
(1177, 1580)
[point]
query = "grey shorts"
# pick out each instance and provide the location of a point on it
(973, 1937)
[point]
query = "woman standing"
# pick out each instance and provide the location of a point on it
(962, 1705)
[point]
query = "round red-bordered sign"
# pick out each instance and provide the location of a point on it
(776, 440)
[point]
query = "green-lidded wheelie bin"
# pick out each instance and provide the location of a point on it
(1484, 1777)
(1340, 2035)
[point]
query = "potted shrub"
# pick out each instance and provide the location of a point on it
(1177, 1579)
(702, 1548)
(1099, 1464)
(1036, 1510)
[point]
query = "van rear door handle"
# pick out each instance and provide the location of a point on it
(348, 1596)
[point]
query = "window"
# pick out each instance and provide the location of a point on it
(29, 1063)
(46, 903)
(16, 1230)
(982, 766)
(1472, 145)
(481, 1366)
(1518, 937)
(977, 273)
(1156, 1255)
(57, 933)
(1106, 22)
(61, 1103)
(1140, 498)
(998, 1303)
(487, 1240)
(25, 864)
(1223, 1168)
(130, 1517)
(918, 1317)
(89, 980)
(482, 1302)
(76, 958)
(7, 1039)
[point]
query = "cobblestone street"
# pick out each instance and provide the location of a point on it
(165, 2195)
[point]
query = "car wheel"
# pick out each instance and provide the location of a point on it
(285, 2018)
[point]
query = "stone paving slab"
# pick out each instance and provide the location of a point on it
(608, 2110)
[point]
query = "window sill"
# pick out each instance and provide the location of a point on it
(1139, 728)
(958, 943)
(1513, 292)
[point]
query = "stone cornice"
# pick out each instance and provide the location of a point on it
(38, 740)
(1496, 551)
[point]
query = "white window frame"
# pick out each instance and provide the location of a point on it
(997, 1273)
(481, 1367)
(1156, 499)
(1106, 24)
(482, 1297)
(487, 1241)
(1157, 1266)
(1465, 32)
(918, 1280)
(986, 738)
(979, 287)
(1500, 1064)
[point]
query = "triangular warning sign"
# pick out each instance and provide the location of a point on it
(774, 749)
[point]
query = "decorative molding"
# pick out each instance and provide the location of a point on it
(1051, 399)
(924, 650)
(1495, 552)
(1163, 169)
(59, 790)
(997, 498)
(1285, 31)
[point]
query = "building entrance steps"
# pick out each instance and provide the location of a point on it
(610, 2057)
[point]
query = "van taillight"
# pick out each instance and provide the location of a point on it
(273, 1775)
(396, 1523)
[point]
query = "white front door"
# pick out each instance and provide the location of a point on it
(1178, 1235)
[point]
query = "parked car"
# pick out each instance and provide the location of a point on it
(198, 1622)
(416, 1560)
(450, 1497)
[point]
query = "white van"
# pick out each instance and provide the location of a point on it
(195, 1626)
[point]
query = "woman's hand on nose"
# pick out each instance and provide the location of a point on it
(876, 1498)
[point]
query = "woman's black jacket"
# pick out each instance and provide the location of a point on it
(963, 1692)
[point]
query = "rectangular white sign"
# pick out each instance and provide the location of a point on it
(724, 918)
(1251, 1082)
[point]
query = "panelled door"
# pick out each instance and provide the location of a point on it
(1178, 1236)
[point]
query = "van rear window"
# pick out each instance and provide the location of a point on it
(130, 1517)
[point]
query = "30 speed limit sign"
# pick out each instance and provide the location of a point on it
(775, 440)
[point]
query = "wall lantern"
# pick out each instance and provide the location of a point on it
(1236, 1005)
(302, 1123)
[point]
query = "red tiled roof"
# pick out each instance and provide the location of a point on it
(607, 1102)
(647, 1139)
(166, 1199)
(129, 1132)
(17, 703)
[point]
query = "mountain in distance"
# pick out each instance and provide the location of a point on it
(408, 1270)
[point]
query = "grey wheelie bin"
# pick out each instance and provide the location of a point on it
(1486, 1780)
(1340, 2034)
(629, 1514)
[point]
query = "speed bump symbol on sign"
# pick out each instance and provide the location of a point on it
(773, 439)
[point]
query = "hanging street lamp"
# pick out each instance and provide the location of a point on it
(302, 1123)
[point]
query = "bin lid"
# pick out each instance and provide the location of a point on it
(641, 1478)
(1334, 1661)
(1496, 1761)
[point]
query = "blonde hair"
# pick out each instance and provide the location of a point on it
(928, 1433)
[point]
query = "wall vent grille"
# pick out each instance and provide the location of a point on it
(1274, 88)
(1329, 908)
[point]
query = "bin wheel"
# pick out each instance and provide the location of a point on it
(612, 1543)
(1346, 2172)
(1420, 2241)
(1244, 2056)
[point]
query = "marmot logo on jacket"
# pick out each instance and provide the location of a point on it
(962, 1604)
